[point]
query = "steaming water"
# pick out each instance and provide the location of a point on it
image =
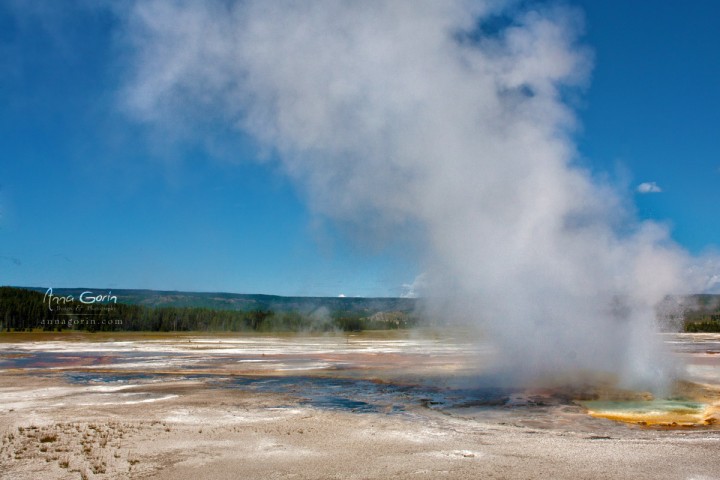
(661, 411)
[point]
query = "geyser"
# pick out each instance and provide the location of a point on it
(447, 118)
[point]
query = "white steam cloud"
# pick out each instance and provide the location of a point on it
(447, 117)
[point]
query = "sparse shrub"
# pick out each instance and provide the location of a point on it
(98, 467)
(48, 437)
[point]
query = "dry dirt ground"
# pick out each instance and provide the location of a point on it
(194, 428)
(192, 431)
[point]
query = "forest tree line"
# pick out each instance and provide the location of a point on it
(708, 322)
(27, 310)
(702, 313)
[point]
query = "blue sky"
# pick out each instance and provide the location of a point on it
(653, 107)
(88, 197)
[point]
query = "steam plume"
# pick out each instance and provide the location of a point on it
(446, 117)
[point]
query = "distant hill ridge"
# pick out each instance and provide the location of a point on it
(242, 301)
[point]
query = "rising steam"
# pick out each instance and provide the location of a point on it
(448, 118)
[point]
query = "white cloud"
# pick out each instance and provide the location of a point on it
(649, 187)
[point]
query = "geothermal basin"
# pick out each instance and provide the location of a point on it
(411, 404)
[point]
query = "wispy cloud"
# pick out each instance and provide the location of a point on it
(649, 187)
